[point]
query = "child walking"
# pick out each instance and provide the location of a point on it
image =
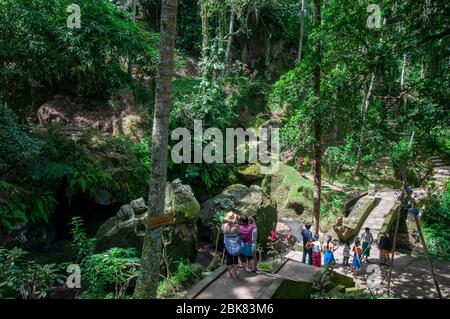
(357, 257)
(346, 255)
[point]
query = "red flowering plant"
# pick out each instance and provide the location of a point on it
(279, 243)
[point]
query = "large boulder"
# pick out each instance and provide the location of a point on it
(127, 228)
(243, 200)
(292, 191)
(348, 227)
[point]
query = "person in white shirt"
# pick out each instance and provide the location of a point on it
(316, 251)
(367, 240)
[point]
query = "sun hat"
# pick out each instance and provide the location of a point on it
(231, 217)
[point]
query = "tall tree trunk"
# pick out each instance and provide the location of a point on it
(130, 58)
(366, 103)
(147, 282)
(402, 78)
(302, 30)
(317, 124)
(205, 27)
(229, 43)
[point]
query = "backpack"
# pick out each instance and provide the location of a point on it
(307, 237)
(232, 244)
(309, 244)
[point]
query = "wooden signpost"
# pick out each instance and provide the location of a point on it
(160, 220)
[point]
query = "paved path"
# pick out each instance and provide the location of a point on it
(249, 285)
(385, 201)
(441, 171)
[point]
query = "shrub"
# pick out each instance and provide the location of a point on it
(110, 271)
(436, 225)
(186, 271)
(83, 244)
(89, 60)
(24, 278)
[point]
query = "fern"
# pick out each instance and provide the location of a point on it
(51, 172)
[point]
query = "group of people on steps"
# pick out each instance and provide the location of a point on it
(239, 236)
(313, 249)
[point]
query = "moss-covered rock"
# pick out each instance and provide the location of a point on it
(351, 225)
(243, 200)
(389, 220)
(292, 191)
(180, 201)
(250, 173)
(127, 228)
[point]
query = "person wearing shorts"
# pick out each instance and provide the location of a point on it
(232, 242)
(385, 246)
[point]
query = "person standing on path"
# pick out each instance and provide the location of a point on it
(316, 251)
(385, 246)
(346, 255)
(307, 243)
(251, 221)
(232, 243)
(328, 255)
(246, 231)
(357, 257)
(367, 240)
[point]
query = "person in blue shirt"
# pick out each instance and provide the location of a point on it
(307, 243)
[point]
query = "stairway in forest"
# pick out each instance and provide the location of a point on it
(441, 170)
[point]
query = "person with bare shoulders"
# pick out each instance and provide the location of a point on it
(232, 243)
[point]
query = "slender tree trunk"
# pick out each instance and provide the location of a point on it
(422, 70)
(205, 27)
(317, 124)
(147, 282)
(402, 78)
(229, 43)
(366, 103)
(302, 30)
(130, 58)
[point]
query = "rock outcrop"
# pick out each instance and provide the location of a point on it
(127, 119)
(127, 228)
(348, 227)
(243, 200)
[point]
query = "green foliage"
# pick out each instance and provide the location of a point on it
(45, 159)
(83, 244)
(16, 146)
(278, 244)
(436, 225)
(88, 61)
(23, 278)
(186, 272)
(339, 157)
(189, 27)
(322, 283)
(110, 271)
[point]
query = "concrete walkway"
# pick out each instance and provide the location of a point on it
(441, 171)
(386, 200)
(249, 285)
